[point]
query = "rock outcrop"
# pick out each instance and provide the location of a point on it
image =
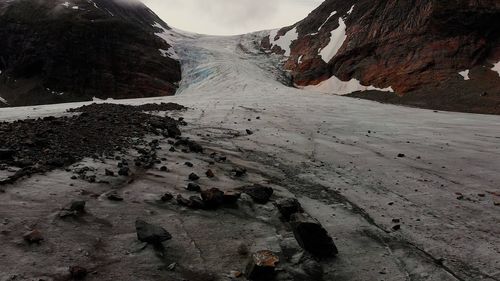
(64, 51)
(406, 48)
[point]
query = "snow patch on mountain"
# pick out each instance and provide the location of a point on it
(465, 74)
(285, 41)
(4, 101)
(167, 36)
(339, 87)
(496, 67)
(337, 38)
(322, 25)
(350, 10)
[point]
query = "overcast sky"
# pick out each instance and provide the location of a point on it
(225, 17)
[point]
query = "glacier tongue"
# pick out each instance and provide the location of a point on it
(337, 155)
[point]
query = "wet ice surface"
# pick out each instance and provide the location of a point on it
(338, 155)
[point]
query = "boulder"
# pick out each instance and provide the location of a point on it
(311, 236)
(150, 233)
(259, 193)
(213, 198)
(288, 207)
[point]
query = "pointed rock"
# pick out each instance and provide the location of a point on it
(150, 233)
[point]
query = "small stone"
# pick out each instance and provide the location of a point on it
(74, 209)
(235, 274)
(401, 155)
(313, 269)
(172, 149)
(33, 237)
(171, 266)
(150, 233)
(193, 187)
(113, 196)
(124, 171)
(78, 272)
(311, 236)
(164, 169)
(6, 154)
(189, 164)
(288, 207)
(193, 177)
(242, 249)
(396, 227)
(396, 220)
(212, 198)
(195, 202)
(249, 132)
(239, 172)
(259, 193)
(262, 266)
(210, 173)
(109, 173)
(166, 197)
(182, 201)
(231, 197)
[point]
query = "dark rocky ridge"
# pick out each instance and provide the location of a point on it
(416, 47)
(103, 49)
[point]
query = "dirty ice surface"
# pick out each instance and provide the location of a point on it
(360, 167)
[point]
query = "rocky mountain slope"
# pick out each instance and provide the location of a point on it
(426, 53)
(61, 51)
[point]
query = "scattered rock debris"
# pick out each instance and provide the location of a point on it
(40, 145)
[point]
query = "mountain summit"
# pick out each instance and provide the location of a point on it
(62, 51)
(427, 53)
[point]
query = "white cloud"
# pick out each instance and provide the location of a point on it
(224, 17)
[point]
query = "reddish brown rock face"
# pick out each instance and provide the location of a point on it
(51, 52)
(408, 45)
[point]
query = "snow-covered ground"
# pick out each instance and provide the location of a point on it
(340, 157)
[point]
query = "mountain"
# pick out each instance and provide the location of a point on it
(441, 54)
(54, 51)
